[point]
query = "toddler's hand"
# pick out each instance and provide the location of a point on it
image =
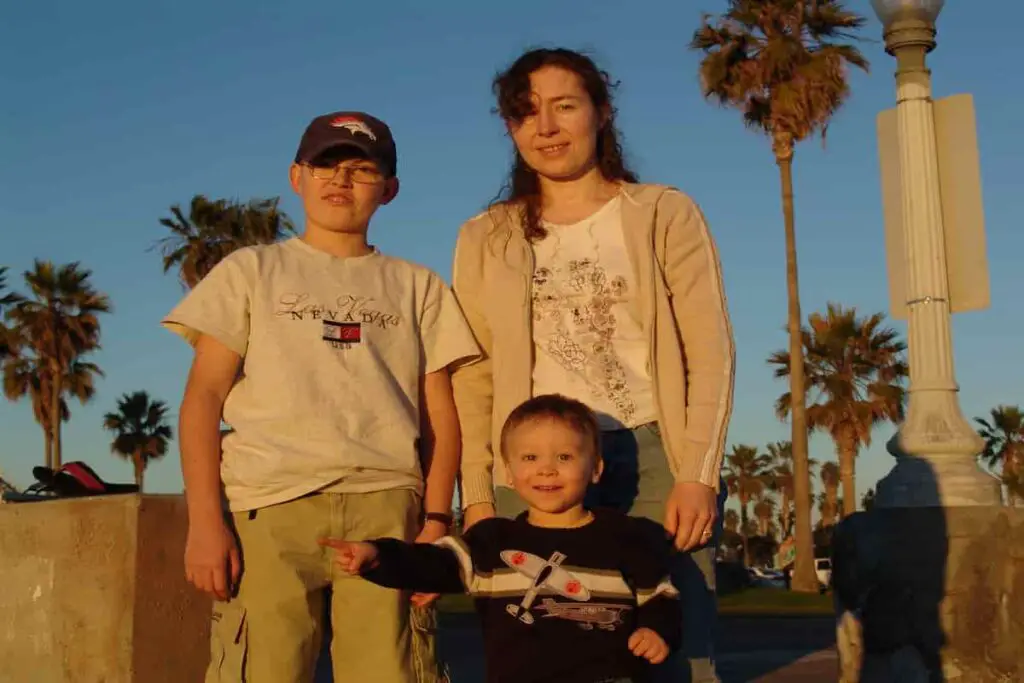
(647, 644)
(352, 557)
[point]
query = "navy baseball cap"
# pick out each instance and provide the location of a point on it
(369, 135)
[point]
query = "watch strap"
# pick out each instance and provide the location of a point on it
(442, 517)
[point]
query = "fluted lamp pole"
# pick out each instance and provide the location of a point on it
(936, 447)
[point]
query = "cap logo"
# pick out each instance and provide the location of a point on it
(353, 126)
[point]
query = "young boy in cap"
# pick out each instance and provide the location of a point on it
(330, 362)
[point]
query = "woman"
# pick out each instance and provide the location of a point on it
(582, 282)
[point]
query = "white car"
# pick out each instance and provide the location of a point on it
(823, 570)
(766, 577)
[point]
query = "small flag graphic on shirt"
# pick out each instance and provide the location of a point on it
(345, 333)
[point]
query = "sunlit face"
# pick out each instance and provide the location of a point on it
(551, 465)
(341, 190)
(559, 139)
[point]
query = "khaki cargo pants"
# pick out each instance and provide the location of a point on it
(272, 632)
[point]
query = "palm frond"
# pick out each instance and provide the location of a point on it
(1003, 434)
(780, 62)
(139, 426)
(49, 333)
(213, 229)
(855, 369)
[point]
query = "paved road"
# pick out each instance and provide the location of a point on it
(762, 650)
(773, 650)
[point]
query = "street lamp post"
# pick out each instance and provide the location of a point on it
(940, 446)
(936, 551)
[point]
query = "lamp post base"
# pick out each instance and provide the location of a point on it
(945, 480)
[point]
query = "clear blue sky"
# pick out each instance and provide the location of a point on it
(114, 110)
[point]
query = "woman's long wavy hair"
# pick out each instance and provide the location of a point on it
(512, 90)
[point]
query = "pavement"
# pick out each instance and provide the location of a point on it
(751, 650)
(777, 650)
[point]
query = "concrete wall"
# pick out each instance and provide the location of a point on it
(940, 593)
(983, 613)
(92, 591)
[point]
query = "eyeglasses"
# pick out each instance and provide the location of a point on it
(366, 175)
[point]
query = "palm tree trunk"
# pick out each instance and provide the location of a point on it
(1010, 474)
(55, 421)
(744, 519)
(140, 469)
(803, 568)
(787, 514)
(832, 496)
(48, 438)
(41, 411)
(848, 475)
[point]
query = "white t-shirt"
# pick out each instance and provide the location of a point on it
(589, 343)
(334, 350)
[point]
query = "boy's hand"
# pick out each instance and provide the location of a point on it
(431, 532)
(647, 644)
(212, 562)
(352, 557)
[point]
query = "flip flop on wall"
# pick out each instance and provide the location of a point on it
(71, 480)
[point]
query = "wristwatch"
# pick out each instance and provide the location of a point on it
(442, 517)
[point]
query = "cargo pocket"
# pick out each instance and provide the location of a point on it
(427, 664)
(229, 644)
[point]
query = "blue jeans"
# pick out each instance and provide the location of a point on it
(637, 480)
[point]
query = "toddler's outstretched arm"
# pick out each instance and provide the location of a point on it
(388, 562)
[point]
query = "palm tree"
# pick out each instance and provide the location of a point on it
(823, 509)
(1003, 433)
(731, 521)
(140, 429)
(829, 500)
(745, 476)
(7, 299)
(215, 228)
(855, 367)
(53, 329)
(781, 455)
(764, 509)
(779, 63)
(27, 374)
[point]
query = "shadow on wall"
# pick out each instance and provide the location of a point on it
(890, 579)
(931, 594)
